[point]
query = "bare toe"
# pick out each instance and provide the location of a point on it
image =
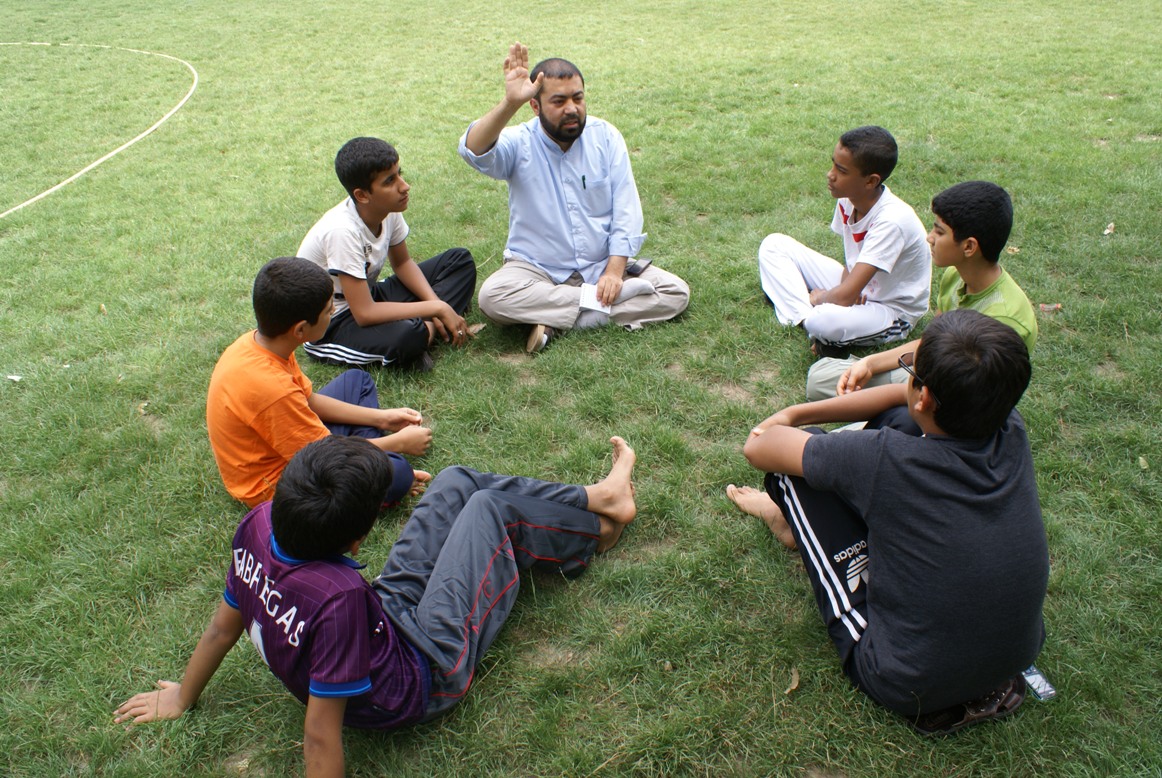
(623, 455)
(759, 504)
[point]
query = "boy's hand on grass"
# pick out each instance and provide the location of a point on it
(421, 483)
(395, 419)
(165, 703)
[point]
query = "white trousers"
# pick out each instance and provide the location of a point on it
(789, 271)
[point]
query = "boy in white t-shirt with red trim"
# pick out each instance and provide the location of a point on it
(883, 288)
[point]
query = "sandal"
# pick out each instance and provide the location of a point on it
(995, 705)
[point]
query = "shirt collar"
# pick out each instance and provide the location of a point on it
(551, 144)
(282, 556)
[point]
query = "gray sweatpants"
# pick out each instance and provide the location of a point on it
(453, 575)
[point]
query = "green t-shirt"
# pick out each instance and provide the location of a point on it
(1003, 301)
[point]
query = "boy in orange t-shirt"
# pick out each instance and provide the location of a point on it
(260, 408)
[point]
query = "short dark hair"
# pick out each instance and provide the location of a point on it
(555, 67)
(288, 290)
(976, 367)
(360, 160)
(873, 149)
(977, 209)
(329, 496)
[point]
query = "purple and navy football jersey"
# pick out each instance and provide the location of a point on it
(321, 630)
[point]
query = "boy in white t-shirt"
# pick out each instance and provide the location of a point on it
(395, 320)
(883, 288)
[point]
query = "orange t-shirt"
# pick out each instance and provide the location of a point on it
(258, 417)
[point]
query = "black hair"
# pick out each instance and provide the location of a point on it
(361, 159)
(977, 209)
(555, 67)
(288, 290)
(873, 149)
(976, 367)
(329, 496)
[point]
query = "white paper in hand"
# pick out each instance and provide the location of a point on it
(589, 301)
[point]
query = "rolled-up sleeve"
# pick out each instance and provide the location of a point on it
(495, 163)
(625, 233)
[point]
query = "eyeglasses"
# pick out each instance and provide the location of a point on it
(905, 362)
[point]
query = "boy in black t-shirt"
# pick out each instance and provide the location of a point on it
(927, 554)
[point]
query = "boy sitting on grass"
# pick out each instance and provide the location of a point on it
(260, 409)
(883, 288)
(971, 224)
(927, 554)
(393, 321)
(404, 649)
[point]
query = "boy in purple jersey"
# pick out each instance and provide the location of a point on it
(405, 648)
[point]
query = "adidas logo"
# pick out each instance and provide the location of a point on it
(850, 551)
(856, 571)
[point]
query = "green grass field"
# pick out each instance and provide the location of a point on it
(672, 656)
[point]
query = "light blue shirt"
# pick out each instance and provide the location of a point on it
(568, 211)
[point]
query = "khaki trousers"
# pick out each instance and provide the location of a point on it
(522, 293)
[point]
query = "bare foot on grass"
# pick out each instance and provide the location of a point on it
(756, 503)
(612, 498)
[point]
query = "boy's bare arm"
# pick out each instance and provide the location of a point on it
(850, 289)
(858, 406)
(333, 411)
(776, 444)
(854, 378)
(777, 449)
(171, 699)
(450, 326)
(323, 736)
(367, 311)
(407, 435)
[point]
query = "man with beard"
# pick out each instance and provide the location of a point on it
(575, 220)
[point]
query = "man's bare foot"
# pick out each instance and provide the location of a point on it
(612, 498)
(753, 502)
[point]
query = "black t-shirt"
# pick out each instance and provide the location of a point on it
(958, 563)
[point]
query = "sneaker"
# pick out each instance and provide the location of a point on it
(996, 705)
(539, 337)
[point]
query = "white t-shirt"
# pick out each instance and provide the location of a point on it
(890, 238)
(341, 243)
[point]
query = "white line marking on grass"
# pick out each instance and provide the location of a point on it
(123, 146)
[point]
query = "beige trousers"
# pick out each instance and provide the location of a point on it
(825, 374)
(522, 293)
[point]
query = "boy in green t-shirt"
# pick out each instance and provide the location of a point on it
(971, 225)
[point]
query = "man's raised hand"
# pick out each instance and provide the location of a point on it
(517, 87)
